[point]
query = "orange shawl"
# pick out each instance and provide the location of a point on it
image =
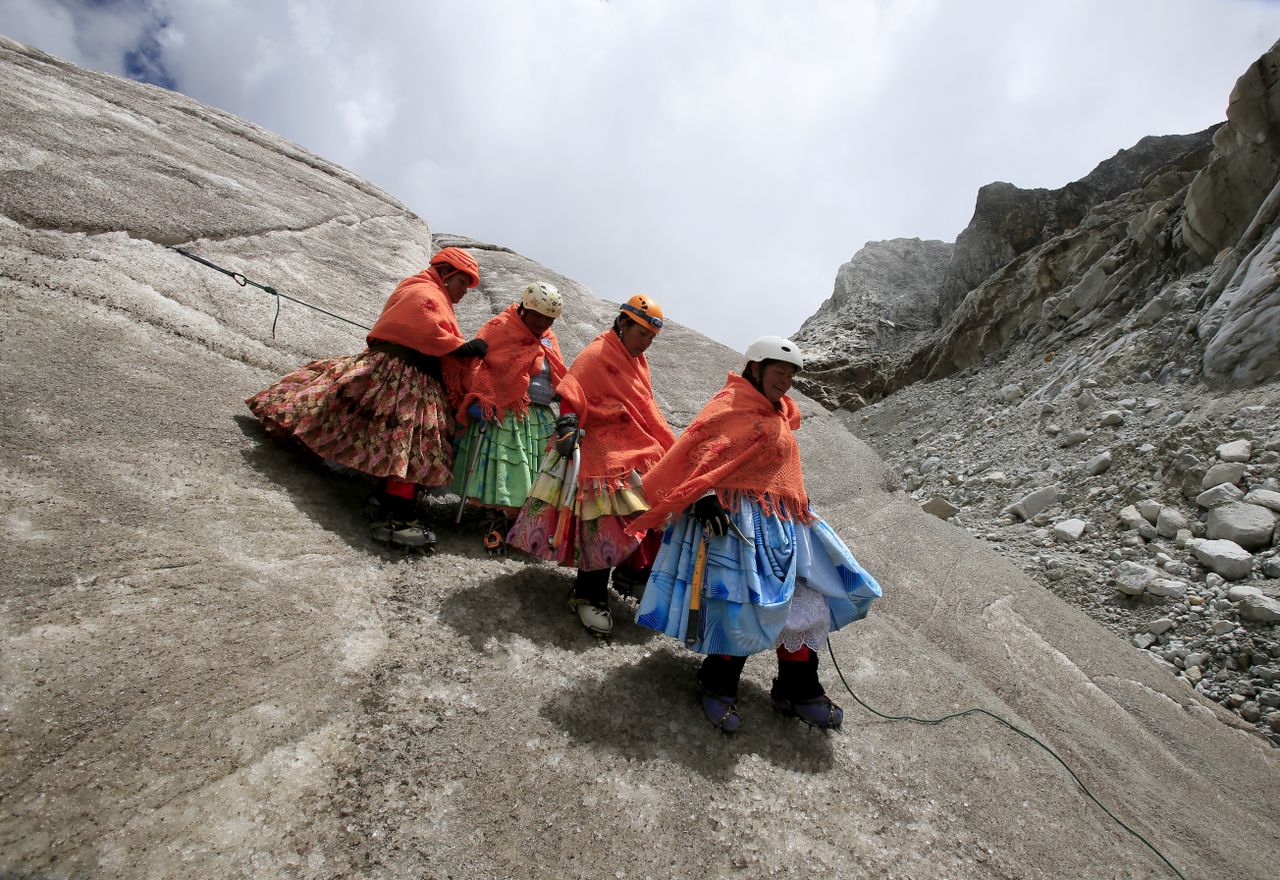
(500, 382)
(738, 443)
(613, 396)
(418, 315)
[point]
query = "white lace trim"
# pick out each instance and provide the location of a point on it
(808, 620)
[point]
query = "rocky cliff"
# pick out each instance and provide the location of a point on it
(209, 671)
(884, 300)
(1056, 269)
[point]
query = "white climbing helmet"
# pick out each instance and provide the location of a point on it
(542, 298)
(775, 348)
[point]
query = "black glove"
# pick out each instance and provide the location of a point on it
(567, 435)
(708, 511)
(476, 348)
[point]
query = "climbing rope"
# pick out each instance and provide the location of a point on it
(240, 279)
(1020, 732)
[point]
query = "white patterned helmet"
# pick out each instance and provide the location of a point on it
(542, 298)
(775, 348)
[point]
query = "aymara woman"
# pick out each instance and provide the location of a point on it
(506, 409)
(608, 413)
(745, 549)
(384, 411)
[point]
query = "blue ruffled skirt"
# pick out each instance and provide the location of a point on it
(761, 594)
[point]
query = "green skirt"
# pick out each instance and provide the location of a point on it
(510, 453)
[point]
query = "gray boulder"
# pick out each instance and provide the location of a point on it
(1240, 592)
(1069, 530)
(1149, 508)
(1167, 588)
(1132, 519)
(1249, 525)
(1264, 498)
(1034, 502)
(1132, 578)
(1236, 450)
(1011, 393)
(1262, 609)
(1170, 522)
(1224, 557)
(1223, 493)
(940, 507)
(1074, 438)
(1222, 473)
(1099, 464)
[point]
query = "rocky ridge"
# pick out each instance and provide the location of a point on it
(883, 301)
(1018, 246)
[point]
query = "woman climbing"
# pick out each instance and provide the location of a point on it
(610, 426)
(747, 565)
(384, 411)
(506, 409)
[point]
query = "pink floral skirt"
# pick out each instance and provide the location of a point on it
(372, 411)
(598, 533)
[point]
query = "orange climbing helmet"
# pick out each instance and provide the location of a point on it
(643, 310)
(460, 260)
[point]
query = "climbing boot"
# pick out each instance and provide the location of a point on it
(718, 690)
(589, 600)
(817, 712)
(596, 619)
(402, 533)
(797, 693)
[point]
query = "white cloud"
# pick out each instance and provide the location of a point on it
(47, 26)
(725, 158)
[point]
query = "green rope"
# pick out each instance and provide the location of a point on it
(1020, 732)
(243, 281)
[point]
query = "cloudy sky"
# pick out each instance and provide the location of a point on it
(722, 157)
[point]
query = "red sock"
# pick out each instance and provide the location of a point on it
(399, 488)
(801, 656)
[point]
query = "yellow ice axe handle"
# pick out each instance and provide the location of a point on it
(691, 630)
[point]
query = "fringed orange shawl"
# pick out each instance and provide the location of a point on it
(500, 382)
(613, 396)
(738, 443)
(418, 315)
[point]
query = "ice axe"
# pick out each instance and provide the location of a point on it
(693, 627)
(471, 469)
(568, 491)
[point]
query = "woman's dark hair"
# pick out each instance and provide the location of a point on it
(757, 381)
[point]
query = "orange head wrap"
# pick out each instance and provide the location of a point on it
(460, 260)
